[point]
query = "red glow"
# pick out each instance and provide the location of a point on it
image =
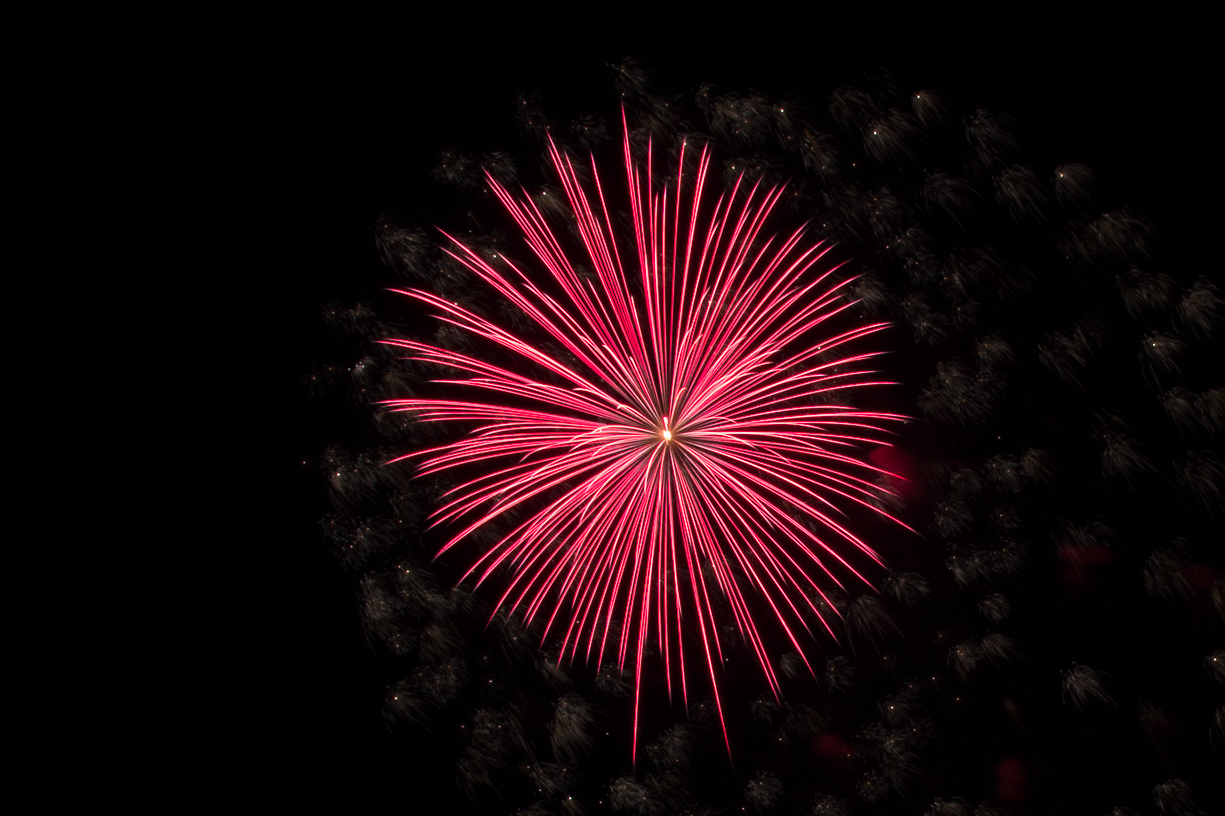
(832, 746)
(1011, 778)
(1080, 559)
(683, 457)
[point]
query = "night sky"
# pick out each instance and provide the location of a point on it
(257, 152)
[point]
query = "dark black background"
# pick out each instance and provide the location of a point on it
(199, 183)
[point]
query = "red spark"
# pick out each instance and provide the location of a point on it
(689, 454)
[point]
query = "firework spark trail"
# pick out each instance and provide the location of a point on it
(693, 449)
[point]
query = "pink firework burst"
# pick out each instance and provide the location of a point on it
(688, 455)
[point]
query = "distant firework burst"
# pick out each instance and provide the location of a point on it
(691, 448)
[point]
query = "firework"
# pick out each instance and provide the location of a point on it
(1066, 467)
(686, 447)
